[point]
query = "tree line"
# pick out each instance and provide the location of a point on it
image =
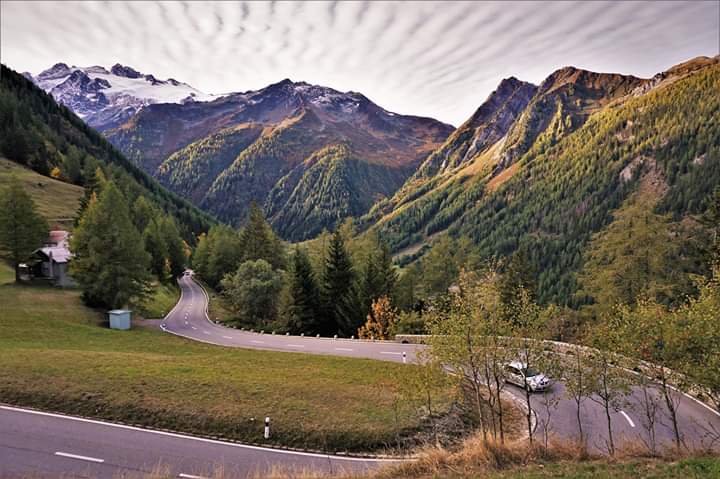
(327, 286)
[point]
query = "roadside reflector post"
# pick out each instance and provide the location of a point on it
(318, 335)
(287, 334)
(302, 334)
(335, 337)
(267, 427)
(404, 358)
(262, 331)
(352, 337)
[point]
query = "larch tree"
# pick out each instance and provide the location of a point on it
(22, 229)
(110, 263)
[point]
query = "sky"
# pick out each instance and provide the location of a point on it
(438, 59)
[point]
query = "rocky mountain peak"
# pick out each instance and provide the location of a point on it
(124, 71)
(56, 71)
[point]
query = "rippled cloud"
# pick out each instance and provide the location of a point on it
(438, 59)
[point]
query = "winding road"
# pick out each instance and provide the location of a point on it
(49, 445)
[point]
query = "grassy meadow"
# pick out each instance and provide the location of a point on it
(56, 354)
(57, 201)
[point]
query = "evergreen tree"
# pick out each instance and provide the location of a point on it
(339, 296)
(71, 166)
(304, 312)
(110, 263)
(201, 255)
(387, 275)
(143, 213)
(175, 247)
(226, 253)
(259, 241)
(157, 248)
(517, 282)
(22, 229)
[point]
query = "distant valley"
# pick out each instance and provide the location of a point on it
(309, 155)
(542, 168)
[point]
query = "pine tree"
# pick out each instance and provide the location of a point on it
(22, 229)
(304, 311)
(110, 263)
(387, 275)
(339, 296)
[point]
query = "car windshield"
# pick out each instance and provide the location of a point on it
(529, 372)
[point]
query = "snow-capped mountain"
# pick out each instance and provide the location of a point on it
(106, 99)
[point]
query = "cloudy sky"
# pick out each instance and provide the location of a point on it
(433, 59)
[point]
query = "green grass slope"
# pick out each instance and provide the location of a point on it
(56, 355)
(56, 200)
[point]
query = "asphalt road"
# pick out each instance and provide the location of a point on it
(36, 444)
(50, 445)
(189, 319)
(699, 425)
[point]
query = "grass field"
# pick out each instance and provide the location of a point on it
(159, 302)
(55, 355)
(7, 274)
(57, 201)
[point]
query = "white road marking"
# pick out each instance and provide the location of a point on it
(82, 458)
(193, 327)
(632, 424)
(257, 342)
(343, 349)
(227, 337)
(207, 332)
(390, 352)
(190, 476)
(199, 439)
(295, 345)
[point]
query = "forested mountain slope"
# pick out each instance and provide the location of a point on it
(309, 155)
(574, 155)
(37, 132)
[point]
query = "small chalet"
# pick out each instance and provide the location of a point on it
(51, 261)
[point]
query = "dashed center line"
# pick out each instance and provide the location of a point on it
(193, 327)
(343, 349)
(227, 337)
(190, 476)
(257, 342)
(207, 332)
(295, 345)
(82, 458)
(632, 424)
(390, 352)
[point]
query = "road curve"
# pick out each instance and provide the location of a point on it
(700, 425)
(189, 320)
(51, 445)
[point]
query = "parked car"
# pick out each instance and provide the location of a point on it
(519, 374)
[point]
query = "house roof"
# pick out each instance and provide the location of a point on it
(59, 254)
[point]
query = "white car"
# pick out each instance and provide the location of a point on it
(519, 374)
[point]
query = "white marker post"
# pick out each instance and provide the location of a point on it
(404, 358)
(267, 427)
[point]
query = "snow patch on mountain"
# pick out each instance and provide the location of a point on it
(106, 98)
